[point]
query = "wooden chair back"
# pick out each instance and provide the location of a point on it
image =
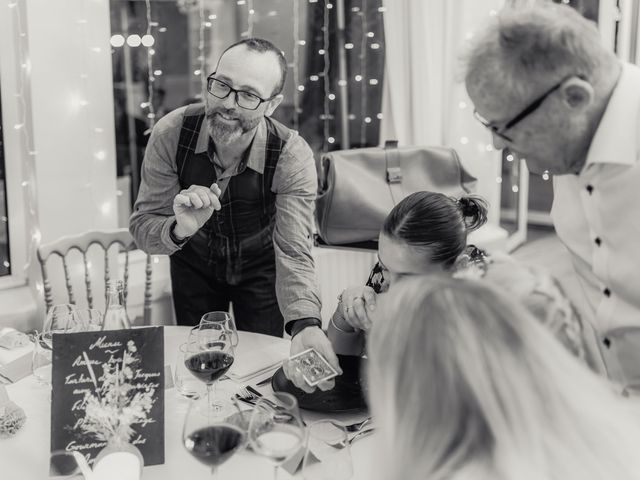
(81, 242)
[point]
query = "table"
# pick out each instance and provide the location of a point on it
(26, 455)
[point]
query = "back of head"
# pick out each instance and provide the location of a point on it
(525, 46)
(465, 376)
(436, 223)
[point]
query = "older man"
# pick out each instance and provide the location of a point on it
(228, 193)
(550, 92)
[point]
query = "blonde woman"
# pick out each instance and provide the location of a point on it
(466, 384)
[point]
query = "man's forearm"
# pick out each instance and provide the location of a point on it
(152, 233)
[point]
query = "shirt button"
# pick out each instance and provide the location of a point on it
(590, 189)
(598, 241)
(607, 292)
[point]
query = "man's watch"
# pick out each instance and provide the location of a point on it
(174, 239)
(296, 326)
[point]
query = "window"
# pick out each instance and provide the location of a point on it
(184, 41)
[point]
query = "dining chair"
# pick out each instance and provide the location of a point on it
(112, 242)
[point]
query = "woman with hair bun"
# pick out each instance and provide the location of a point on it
(426, 232)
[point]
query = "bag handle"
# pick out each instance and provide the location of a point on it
(392, 161)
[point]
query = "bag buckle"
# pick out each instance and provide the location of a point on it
(394, 175)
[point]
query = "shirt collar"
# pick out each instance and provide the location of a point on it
(257, 149)
(615, 140)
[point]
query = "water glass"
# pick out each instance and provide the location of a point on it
(186, 384)
(328, 454)
(41, 358)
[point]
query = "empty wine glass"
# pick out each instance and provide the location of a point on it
(209, 356)
(41, 359)
(60, 319)
(89, 319)
(276, 430)
(209, 434)
(328, 454)
(224, 319)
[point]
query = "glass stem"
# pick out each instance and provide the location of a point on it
(214, 469)
(275, 472)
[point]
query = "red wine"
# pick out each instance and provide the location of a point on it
(209, 366)
(213, 445)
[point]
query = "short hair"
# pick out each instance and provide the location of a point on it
(533, 44)
(261, 45)
(436, 224)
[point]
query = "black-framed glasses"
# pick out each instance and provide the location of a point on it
(244, 99)
(528, 110)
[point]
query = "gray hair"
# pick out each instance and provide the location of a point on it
(530, 44)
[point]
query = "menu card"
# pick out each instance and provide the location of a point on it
(142, 350)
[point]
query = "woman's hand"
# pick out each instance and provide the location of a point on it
(356, 303)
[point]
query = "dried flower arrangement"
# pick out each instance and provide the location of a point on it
(117, 403)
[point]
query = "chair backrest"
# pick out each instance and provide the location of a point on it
(81, 242)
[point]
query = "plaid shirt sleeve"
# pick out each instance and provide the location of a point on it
(152, 217)
(295, 185)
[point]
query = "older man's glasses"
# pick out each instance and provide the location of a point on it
(244, 99)
(528, 110)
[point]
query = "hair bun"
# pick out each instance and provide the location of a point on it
(474, 211)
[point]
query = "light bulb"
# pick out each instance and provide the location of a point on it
(314, 78)
(301, 88)
(331, 140)
(373, 81)
(134, 40)
(148, 40)
(348, 46)
(375, 46)
(331, 96)
(117, 40)
(367, 119)
(464, 140)
(357, 78)
(515, 189)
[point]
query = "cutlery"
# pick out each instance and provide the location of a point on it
(250, 396)
(264, 382)
(342, 444)
(354, 427)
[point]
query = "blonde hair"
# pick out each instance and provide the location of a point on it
(464, 377)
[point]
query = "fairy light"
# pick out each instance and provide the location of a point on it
(151, 114)
(23, 125)
(250, 19)
(296, 60)
(363, 73)
(545, 175)
(201, 41)
(325, 79)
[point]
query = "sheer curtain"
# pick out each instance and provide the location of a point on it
(425, 102)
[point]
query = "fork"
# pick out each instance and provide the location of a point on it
(343, 443)
(250, 395)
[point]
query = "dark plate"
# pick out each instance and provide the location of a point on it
(346, 396)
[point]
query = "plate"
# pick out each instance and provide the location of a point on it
(348, 395)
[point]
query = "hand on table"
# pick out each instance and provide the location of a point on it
(193, 207)
(311, 337)
(356, 304)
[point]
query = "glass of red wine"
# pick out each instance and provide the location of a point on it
(210, 435)
(209, 356)
(276, 430)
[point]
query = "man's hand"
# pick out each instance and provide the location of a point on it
(356, 304)
(311, 337)
(193, 207)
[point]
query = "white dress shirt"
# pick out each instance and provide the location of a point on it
(597, 213)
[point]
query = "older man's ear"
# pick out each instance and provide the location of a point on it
(577, 93)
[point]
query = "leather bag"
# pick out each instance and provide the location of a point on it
(359, 187)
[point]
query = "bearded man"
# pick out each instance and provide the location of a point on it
(229, 193)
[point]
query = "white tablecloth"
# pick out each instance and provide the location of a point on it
(26, 455)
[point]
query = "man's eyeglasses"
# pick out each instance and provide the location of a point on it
(244, 99)
(528, 110)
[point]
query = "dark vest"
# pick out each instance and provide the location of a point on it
(243, 228)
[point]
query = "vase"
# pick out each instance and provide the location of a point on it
(119, 459)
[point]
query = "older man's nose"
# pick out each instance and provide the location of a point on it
(499, 143)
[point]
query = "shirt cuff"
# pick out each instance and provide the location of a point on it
(296, 326)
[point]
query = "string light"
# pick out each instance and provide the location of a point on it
(363, 73)
(28, 183)
(296, 59)
(201, 42)
(250, 12)
(151, 114)
(325, 79)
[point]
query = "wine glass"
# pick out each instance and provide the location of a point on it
(209, 356)
(221, 318)
(209, 434)
(186, 384)
(328, 454)
(276, 430)
(89, 319)
(60, 319)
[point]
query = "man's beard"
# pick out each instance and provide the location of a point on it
(226, 133)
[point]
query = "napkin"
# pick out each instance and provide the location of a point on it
(18, 368)
(258, 354)
(11, 338)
